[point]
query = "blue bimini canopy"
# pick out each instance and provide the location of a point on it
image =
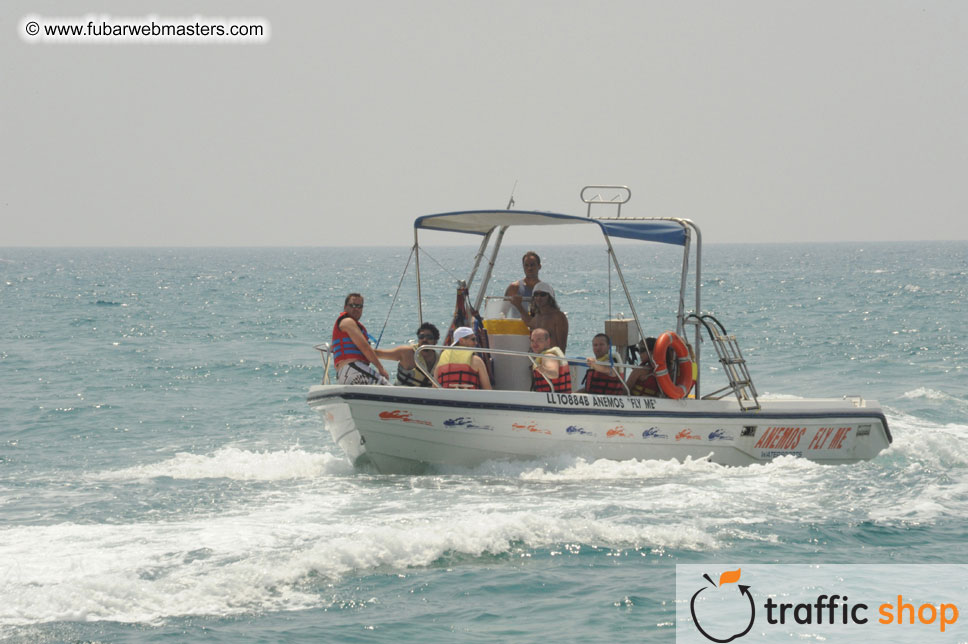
(481, 222)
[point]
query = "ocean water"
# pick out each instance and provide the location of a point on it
(162, 478)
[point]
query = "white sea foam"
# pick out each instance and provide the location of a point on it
(604, 469)
(778, 396)
(928, 462)
(271, 559)
(921, 441)
(954, 403)
(240, 464)
(274, 553)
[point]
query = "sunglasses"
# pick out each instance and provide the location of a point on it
(425, 336)
(354, 306)
(542, 294)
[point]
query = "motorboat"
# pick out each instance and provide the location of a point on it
(408, 430)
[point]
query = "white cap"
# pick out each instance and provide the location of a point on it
(461, 332)
(543, 287)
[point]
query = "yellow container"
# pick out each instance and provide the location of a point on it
(499, 326)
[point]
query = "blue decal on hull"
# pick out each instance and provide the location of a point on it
(462, 421)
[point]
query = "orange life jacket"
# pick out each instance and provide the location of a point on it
(455, 370)
(561, 384)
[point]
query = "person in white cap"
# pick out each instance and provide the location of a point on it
(545, 314)
(461, 368)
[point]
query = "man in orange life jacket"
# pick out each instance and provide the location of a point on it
(462, 368)
(548, 368)
(356, 362)
(602, 377)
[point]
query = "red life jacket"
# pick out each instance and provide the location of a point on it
(343, 347)
(604, 383)
(455, 370)
(561, 384)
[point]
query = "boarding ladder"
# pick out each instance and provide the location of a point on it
(730, 356)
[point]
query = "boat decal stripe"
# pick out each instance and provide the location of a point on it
(760, 416)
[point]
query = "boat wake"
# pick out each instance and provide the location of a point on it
(239, 464)
(960, 404)
(275, 558)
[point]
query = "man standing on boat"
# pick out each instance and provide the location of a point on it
(355, 360)
(519, 292)
(548, 369)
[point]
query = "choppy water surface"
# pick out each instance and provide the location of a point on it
(161, 477)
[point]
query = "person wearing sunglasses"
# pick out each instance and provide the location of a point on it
(642, 380)
(355, 360)
(408, 359)
(545, 314)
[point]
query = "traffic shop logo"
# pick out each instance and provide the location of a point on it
(725, 611)
(740, 614)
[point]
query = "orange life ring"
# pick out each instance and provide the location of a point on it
(684, 380)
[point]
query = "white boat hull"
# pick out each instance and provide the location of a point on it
(405, 429)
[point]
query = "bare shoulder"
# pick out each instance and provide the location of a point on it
(348, 323)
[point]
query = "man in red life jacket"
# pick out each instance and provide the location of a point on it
(356, 362)
(602, 377)
(549, 368)
(462, 368)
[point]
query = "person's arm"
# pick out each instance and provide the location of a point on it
(549, 366)
(396, 353)
(510, 295)
(481, 369)
(511, 290)
(634, 378)
(562, 332)
(352, 329)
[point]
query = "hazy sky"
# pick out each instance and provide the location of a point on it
(763, 121)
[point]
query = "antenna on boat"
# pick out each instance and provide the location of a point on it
(511, 200)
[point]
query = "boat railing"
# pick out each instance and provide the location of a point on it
(615, 366)
(858, 401)
(422, 367)
(733, 362)
(622, 197)
(327, 357)
(500, 307)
